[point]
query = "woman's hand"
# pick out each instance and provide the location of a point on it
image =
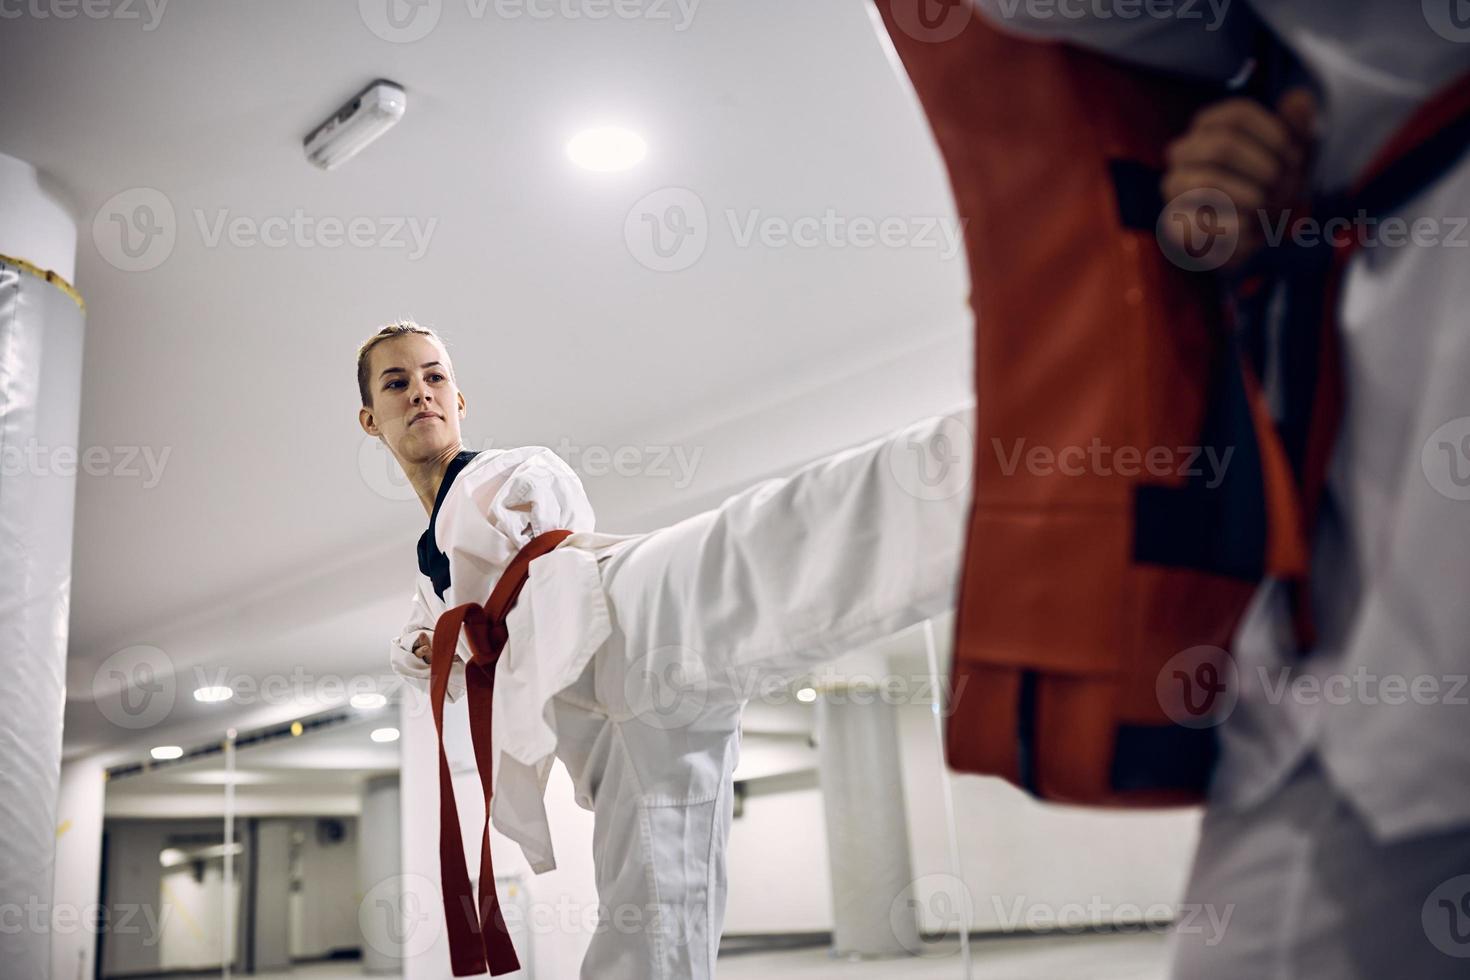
(423, 647)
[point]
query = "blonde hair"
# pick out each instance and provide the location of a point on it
(395, 329)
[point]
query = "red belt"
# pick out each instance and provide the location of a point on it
(477, 932)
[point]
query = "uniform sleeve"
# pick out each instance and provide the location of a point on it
(539, 493)
(494, 509)
(1209, 39)
(411, 668)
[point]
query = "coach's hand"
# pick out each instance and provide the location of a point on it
(1236, 168)
(423, 647)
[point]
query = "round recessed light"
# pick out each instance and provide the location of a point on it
(384, 735)
(806, 695)
(166, 751)
(367, 700)
(606, 149)
(214, 693)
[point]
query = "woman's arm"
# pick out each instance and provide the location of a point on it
(406, 648)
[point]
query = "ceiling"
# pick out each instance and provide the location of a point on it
(273, 540)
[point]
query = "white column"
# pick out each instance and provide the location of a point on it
(78, 877)
(40, 396)
(380, 872)
(270, 924)
(867, 829)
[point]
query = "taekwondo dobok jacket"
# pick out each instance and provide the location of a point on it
(781, 576)
(490, 504)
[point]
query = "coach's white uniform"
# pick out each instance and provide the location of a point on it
(630, 657)
(1339, 824)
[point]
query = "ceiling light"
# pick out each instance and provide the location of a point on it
(367, 700)
(606, 149)
(384, 735)
(360, 120)
(214, 693)
(166, 751)
(806, 695)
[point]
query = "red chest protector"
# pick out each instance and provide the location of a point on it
(1106, 571)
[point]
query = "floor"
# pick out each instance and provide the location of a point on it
(1088, 957)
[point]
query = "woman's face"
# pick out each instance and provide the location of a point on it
(416, 405)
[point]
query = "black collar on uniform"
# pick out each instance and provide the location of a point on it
(433, 562)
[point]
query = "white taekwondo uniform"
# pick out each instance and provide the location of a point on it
(630, 657)
(1339, 821)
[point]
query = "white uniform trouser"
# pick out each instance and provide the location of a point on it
(711, 612)
(1311, 895)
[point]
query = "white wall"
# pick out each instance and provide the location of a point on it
(35, 224)
(325, 909)
(193, 927)
(779, 880)
(171, 922)
(1049, 859)
(159, 921)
